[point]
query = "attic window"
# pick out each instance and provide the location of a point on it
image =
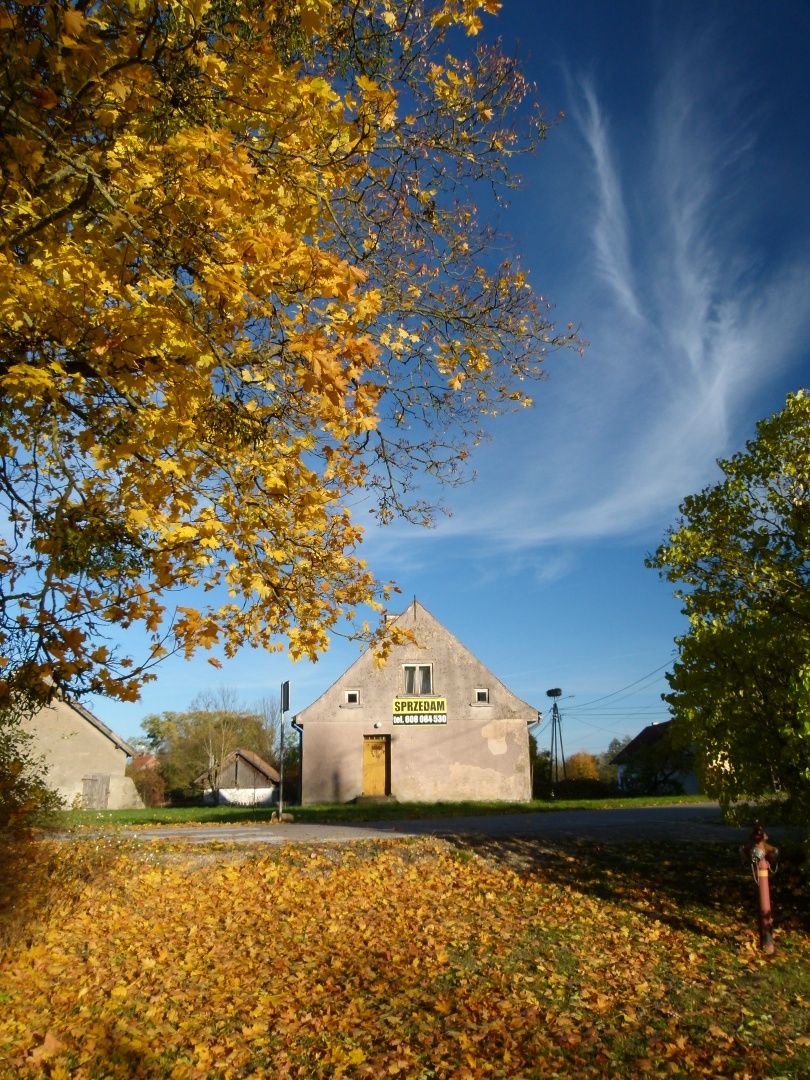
(482, 695)
(418, 679)
(352, 697)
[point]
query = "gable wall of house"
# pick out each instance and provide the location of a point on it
(480, 752)
(73, 749)
(238, 772)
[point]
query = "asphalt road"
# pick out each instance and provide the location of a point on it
(699, 822)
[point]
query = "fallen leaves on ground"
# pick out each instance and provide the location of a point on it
(390, 959)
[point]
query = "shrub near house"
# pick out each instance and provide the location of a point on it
(144, 771)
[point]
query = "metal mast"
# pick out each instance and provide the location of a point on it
(557, 752)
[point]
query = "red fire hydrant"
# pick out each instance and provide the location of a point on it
(763, 857)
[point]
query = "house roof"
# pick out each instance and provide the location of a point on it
(646, 738)
(411, 617)
(85, 713)
(146, 761)
(257, 762)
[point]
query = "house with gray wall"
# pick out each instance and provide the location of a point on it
(432, 724)
(86, 760)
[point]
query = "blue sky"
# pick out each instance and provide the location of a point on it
(668, 215)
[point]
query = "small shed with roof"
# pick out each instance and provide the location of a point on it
(244, 779)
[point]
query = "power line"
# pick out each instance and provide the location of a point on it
(621, 710)
(631, 720)
(598, 727)
(617, 706)
(572, 708)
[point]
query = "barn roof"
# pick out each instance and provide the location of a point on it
(646, 738)
(258, 763)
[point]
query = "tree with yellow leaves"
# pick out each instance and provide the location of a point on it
(242, 279)
(582, 766)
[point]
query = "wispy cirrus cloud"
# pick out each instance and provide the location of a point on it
(690, 322)
(611, 232)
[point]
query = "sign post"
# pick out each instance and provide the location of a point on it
(285, 708)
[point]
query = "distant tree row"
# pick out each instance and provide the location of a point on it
(585, 776)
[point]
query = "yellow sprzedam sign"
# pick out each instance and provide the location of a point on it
(420, 710)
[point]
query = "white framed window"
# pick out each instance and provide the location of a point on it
(418, 679)
(352, 697)
(482, 695)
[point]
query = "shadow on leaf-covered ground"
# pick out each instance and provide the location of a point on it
(680, 884)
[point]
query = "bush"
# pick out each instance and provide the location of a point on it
(576, 788)
(181, 797)
(149, 783)
(26, 800)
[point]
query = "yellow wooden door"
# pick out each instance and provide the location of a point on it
(375, 765)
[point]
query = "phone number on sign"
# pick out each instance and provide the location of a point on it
(421, 718)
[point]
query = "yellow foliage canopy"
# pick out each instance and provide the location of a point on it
(235, 289)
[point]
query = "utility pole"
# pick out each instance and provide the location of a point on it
(557, 752)
(285, 708)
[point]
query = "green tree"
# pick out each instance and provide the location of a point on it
(740, 555)
(608, 772)
(540, 761)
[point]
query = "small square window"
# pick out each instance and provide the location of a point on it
(418, 679)
(352, 697)
(482, 695)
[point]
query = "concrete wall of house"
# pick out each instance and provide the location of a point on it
(72, 749)
(482, 752)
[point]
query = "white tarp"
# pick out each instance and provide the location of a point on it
(259, 796)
